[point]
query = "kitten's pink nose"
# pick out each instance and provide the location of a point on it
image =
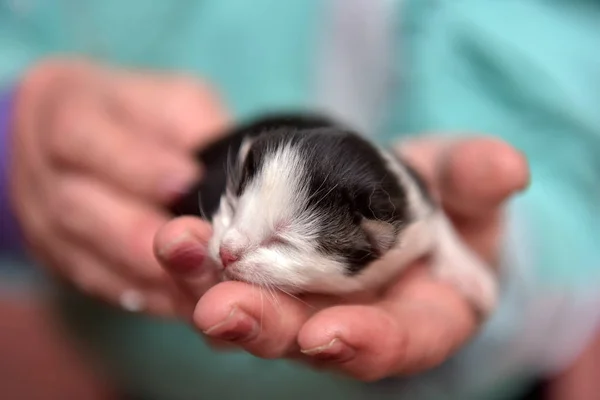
(227, 257)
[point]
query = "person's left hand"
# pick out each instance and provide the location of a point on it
(417, 324)
(96, 153)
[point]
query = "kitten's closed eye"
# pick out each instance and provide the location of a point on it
(278, 236)
(274, 240)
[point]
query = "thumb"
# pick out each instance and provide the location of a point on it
(477, 176)
(473, 177)
(181, 248)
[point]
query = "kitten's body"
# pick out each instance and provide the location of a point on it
(306, 205)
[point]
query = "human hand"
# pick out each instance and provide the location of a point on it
(95, 155)
(415, 325)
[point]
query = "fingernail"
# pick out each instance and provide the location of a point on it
(334, 351)
(237, 327)
(184, 254)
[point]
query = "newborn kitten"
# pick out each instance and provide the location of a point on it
(304, 204)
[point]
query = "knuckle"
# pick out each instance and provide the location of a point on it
(40, 74)
(58, 143)
(64, 140)
(187, 90)
(49, 74)
(62, 68)
(53, 88)
(63, 206)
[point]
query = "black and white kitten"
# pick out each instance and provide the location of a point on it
(305, 204)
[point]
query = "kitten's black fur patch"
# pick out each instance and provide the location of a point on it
(347, 178)
(355, 184)
(214, 159)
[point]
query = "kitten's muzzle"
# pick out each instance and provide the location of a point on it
(227, 256)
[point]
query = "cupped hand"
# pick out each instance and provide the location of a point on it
(95, 154)
(415, 325)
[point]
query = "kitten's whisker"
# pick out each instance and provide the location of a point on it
(371, 201)
(264, 286)
(273, 291)
(262, 305)
(320, 186)
(297, 298)
(325, 195)
(200, 208)
(259, 287)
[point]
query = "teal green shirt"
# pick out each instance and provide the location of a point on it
(524, 70)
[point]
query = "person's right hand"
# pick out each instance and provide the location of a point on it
(95, 155)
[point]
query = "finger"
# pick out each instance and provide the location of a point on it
(178, 110)
(263, 323)
(478, 175)
(86, 136)
(473, 176)
(117, 227)
(414, 329)
(90, 275)
(476, 179)
(181, 248)
(97, 280)
(182, 111)
(101, 279)
(424, 154)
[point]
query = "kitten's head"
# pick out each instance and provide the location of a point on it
(307, 211)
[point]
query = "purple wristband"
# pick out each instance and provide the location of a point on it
(10, 238)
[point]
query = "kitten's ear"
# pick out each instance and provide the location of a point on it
(244, 148)
(379, 214)
(235, 164)
(382, 235)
